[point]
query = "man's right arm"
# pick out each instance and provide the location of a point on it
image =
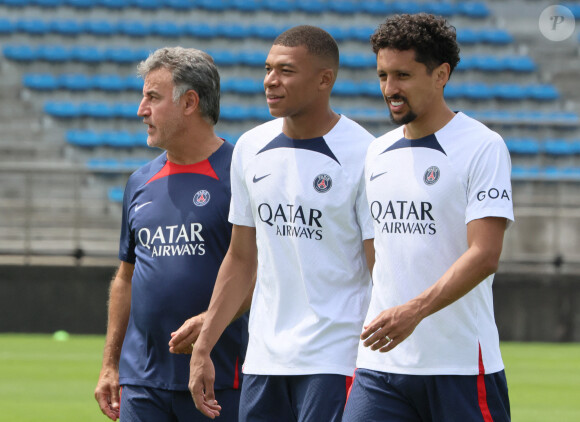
(234, 282)
(107, 390)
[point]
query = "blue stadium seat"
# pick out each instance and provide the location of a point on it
(279, 6)
(75, 82)
(54, 53)
(97, 110)
(409, 7)
(225, 57)
(117, 139)
(68, 27)
(134, 83)
(107, 165)
(546, 92)
(109, 82)
(466, 63)
(40, 81)
(521, 64)
(215, 5)
(127, 111)
(87, 54)
(366, 114)
(523, 146)
(112, 4)
(525, 172)
(199, 30)
(33, 26)
(140, 139)
(48, 4)
(361, 32)
(440, 8)
(261, 113)
(234, 112)
(314, 7)
(370, 88)
(20, 53)
(376, 7)
(358, 60)
(268, 32)
(346, 87)
(476, 91)
(339, 33)
(559, 147)
(453, 91)
(468, 36)
(133, 28)
(345, 7)
(80, 4)
(513, 92)
(487, 63)
(17, 3)
(496, 36)
(245, 5)
(61, 109)
(121, 55)
(252, 58)
(233, 30)
(473, 9)
(167, 29)
(83, 138)
(115, 194)
(248, 86)
(99, 27)
(147, 4)
(180, 5)
(7, 27)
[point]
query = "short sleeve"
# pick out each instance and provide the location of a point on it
(127, 242)
(240, 205)
(489, 192)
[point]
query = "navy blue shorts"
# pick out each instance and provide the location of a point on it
(291, 398)
(379, 396)
(143, 404)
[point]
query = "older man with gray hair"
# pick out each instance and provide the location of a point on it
(174, 235)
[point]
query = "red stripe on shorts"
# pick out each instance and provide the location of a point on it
(481, 393)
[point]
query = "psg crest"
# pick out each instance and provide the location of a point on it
(201, 198)
(431, 175)
(322, 183)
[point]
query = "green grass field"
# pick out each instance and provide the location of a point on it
(46, 380)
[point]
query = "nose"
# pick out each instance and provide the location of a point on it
(143, 110)
(389, 87)
(271, 79)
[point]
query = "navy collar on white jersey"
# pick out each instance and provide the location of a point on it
(314, 144)
(429, 141)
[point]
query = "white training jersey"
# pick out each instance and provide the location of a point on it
(307, 201)
(422, 193)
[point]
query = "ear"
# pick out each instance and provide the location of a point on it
(191, 102)
(441, 74)
(327, 78)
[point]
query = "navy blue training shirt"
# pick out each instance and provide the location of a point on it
(175, 230)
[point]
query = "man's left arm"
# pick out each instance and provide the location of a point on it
(485, 239)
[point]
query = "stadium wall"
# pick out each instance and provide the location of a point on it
(44, 299)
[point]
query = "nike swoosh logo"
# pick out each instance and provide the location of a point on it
(374, 176)
(257, 179)
(138, 207)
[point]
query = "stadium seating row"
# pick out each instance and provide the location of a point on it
(238, 112)
(471, 9)
(549, 173)
(233, 30)
(26, 53)
(343, 87)
(552, 147)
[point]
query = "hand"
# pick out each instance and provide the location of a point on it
(390, 328)
(183, 339)
(201, 382)
(107, 393)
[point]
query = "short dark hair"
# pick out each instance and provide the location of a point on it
(432, 38)
(191, 69)
(317, 41)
